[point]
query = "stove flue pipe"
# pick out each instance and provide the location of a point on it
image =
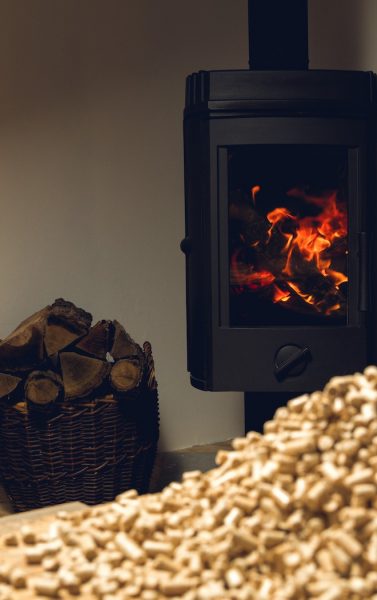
(278, 35)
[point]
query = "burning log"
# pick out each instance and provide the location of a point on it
(294, 260)
(251, 226)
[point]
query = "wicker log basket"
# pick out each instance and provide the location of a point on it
(88, 448)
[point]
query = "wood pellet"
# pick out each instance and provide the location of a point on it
(288, 515)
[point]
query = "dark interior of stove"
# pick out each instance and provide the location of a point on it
(287, 235)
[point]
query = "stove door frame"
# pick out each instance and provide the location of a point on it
(244, 358)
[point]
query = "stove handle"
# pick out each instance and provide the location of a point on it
(363, 274)
(289, 357)
(186, 246)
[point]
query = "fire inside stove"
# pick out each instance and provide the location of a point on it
(288, 235)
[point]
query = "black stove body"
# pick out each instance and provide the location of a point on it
(280, 218)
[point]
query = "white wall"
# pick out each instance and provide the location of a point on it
(91, 173)
(343, 34)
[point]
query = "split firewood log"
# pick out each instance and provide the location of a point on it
(81, 374)
(123, 345)
(43, 388)
(43, 333)
(8, 384)
(65, 324)
(23, 348)
(97, 341)
(126, 374)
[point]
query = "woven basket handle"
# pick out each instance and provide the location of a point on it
(151, 374)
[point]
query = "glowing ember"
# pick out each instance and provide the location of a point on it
(296, 260)
(248, 277)
(280, 296)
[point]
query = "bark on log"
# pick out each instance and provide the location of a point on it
(43, 387)
(123, 345)
(97, 341)
(8, 384)
(81, 374)
(45, 332)
(66, 323)
(23, 348)
(67, 312)
(125, 374)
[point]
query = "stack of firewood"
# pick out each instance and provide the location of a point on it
(56, 355)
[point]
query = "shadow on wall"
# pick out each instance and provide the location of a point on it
(341, 35)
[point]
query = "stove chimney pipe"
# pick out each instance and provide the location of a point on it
(278, 35)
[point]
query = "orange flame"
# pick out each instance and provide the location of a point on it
(280, 296)
(309, 298)
(315, 235)
(277, 215)
(300, 240)
(254, 191)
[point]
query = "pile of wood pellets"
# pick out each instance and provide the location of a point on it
(291, 514)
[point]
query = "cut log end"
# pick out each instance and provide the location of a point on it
(81, 374)
(22, 350)
(97, 341)
(123, 345)
(125, 375)
(43, 387)
(8, 384)
(57, 337)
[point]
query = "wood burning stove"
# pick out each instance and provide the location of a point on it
(280, 216)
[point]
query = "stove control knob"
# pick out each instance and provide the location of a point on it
(291, 360)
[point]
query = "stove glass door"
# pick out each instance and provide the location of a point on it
(288, 235)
